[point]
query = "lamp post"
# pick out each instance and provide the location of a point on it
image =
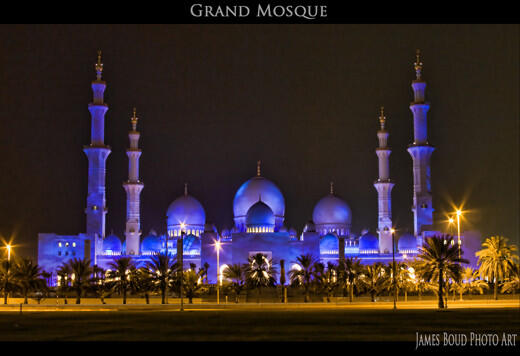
(459, 242)
(217, 246)
(8, 247)
(180, 260)
(393, 265)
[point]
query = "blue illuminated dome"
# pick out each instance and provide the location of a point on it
(151, 244)
(112, 243)
(260, 215)
(329, 244)
(258, 187)
(407, 242)
(332, 210)
(186, 209)
(368, 241)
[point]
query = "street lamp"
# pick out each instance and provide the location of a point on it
(459, 213)
(217, 246)
(392, 230)
(8, 247)
(180, 260)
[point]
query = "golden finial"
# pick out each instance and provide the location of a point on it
(185, 189)
(382, 118)
(331, 187)
(133, 120)
(418, 64)
(99, 65)
(258, 168)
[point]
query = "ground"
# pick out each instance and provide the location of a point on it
(360, 322)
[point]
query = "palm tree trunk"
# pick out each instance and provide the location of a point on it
(124, 295)
(441, 299)
(372, 295)
(147, 297)
(163, 295)
(405, 295)
(351, 292)
(5, 294)
(420, 294)
(495, 287)
(25, 301)
(78, 296)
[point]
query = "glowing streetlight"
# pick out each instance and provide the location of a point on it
(8, 247)
(459, 213)
(217, 246)
(392, 230)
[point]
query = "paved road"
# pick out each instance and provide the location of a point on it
(417, 305)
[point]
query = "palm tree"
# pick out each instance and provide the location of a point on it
(64, 272)
(236, 274)
(99, 285)
(496, 260)
(28, 276)
(349, 273)
(282, 279)
(302, 274)
(420, 284)
(141, 282)
(512, 284)
(326, 278)
(204, 269)
(260, 273)
(192, 283)
(374, 279)
(402, 279)
(440, 260)
(469, 283)
(120, 270)
(163, 270)
(6, 278)
(81, 273)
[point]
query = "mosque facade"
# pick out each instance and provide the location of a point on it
(258, 209)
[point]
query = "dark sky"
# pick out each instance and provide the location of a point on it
(213, 99)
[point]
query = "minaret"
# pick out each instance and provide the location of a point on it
(97, 153)
(421, 152)
(133, 188)
(384, 187)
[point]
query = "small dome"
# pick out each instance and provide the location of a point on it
(292, 231)
(283, 229)
(407, 242)
(186, 209)
(225, 232)
(151, 243)
(368, 241)
(112, 243)
(331, 210)
(248, 193)
(329, 244)
(260, 215)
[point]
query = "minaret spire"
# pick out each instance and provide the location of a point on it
(332, 188)
(97, 153)
(421, 151)
(258, 167)
(185, 189)
(384, 187)
(99, 66)
(133, 187)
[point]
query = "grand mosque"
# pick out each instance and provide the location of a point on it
(258, 208)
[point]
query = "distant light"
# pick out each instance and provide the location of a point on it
(459, 213)
(451, 220)
(392, 230)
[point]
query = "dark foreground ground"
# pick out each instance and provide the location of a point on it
(316, 324)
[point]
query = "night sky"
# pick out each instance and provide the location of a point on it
(214, 99)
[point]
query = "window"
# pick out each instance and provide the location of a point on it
(66, 253)
(59, 253)
(59, 244)
(73, 244)
(73, 253)
(66, 244)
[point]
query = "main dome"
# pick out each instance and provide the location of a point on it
(332, 210)
(260, 215)
(186, 209)
(258, 188)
